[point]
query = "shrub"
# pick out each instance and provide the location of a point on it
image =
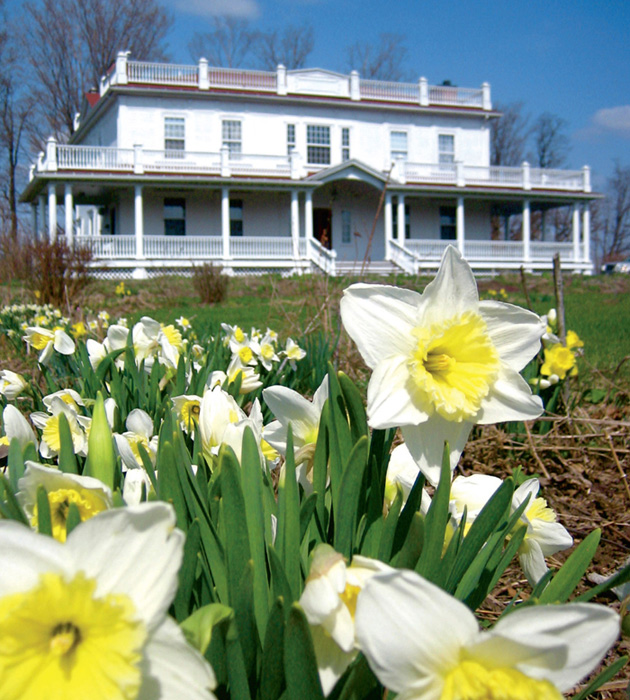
(56, 272)
(210, 283)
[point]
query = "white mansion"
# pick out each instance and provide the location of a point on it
(301, 170)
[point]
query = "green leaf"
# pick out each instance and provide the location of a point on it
(288, 537)
(15, 463)
(300, 664)
(67, 458)
(272, 683)
(187, 572)
(101, 459)
(44, 525)
(409, 553)
(570, 574)
(607, 674)
(349, 493)
(199, 626)
(10, 508)
(320, 466)
(306, 513)
(390, 526)
(354, 404)
(73, 519)
(169, 486)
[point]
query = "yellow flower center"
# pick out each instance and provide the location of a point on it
(268, 451)
(134, 442)
(470, 680)
(349, 598)
(39, 341)
(87, 502)
(239, 336)
(266, 351)
(58, 641)
(173, 336)
(245, 354)
(51, 436)
(190, 413)
(538, 510)
(454, 366)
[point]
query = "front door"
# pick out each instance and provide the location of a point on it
(322, 226)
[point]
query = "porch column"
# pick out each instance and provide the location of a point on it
(460, 225)
(139, 221)
(400, 234)
(308, 216)
(225, 222)
(527, 254)
(41, 214)
(586, 232)
(388, 224)
(295, 223)
(52, 212)
(69, 210)
(576, 232)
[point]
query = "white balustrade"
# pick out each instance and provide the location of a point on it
(324, 259)
(182, 247)
(181, 162)
(108, 247)
(265, 165)
(389, 91)
(403, 257)
(545, 250)
(439, 173)
(271, 247)
(162, 73)
(497, 175)
(494, 250)
(234, 78)
(557, 179)
(456, 96)
(427, 249)
(94, 158)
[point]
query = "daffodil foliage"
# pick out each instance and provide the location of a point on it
(170, 530)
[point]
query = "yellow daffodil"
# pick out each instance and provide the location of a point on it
(87, 619)
(573, 341)
(423, 644)
(559, 361)
(79, 330)
(442, 361)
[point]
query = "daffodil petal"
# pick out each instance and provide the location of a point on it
(532, 560)
(552, 537)
(291, 407)
(172, 669)
(587, 630)
(389, 403)
(332, 661)
(140, 539)
(140, 422)
(514, 331)
(373, 312)
(398, 615)
(510, 398)
(426, 444)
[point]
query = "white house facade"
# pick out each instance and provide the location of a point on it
(304, 170)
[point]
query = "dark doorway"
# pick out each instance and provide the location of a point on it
(322, 226)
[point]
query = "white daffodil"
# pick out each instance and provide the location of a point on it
(267, 352)
(152, 340)
(293, 352)
(50, 444)
(402, 472)
(68, 396)
(116, 340)
(329, 601)
(471, 493)
(442, 360)
(246, 352)
(291, 408)
(235, 431)
(87, 619)
(139, 431)
(250, 379)
(45, 341)
(218, 410)
(187, 408)
(233, 333)
(15, 426)
(424, 644)
(137, 486)
(12, 384)
(544, 537)
(89, 495)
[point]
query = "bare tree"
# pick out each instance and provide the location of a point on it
(612, 226)
(71, 43)
(290, 47)
(228, 43)
(384, 60)
(551, 144)
(508, 135)
(15, 110)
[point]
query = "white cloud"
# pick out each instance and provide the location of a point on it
(244, 9)
(615, 119)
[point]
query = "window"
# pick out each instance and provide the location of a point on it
(174, 217)
(318, 144)
(236, 217)
(398, 144)
(346, 226)
(174, 137)
(231, 133)
(407, 221)
(345, 144)
(448, 228)
(290, 138)
(446, 149)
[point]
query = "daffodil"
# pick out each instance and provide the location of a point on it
(15, 427)
(559, 361)
(267, 352)
(45, 341)
(139, 431)
(424, 644)
(329, 601)
(89, 495)
(545, 535)
(218, 410)
(291, 408)
(402, 472)
(183, 323)
(293, 352)
(50, 444)
(188, 408)
(87, 619)
(69, 396)
(12, 384)
(250, 379)
(442, 361)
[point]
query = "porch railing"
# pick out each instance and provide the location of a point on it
(545, 250)
(109, 247)
(506, 250)
(257, 247)
(324, 259)
(182, 247)
(181, 162)
(402, 257)
(94, 158)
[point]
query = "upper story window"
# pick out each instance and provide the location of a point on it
(174, 137)
(290, 138)
(174, 216)
(231, 135)
(398, 144)
(318, 144)
(345, 144)
(446, 149)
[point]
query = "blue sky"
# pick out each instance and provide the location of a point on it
(570, 58)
